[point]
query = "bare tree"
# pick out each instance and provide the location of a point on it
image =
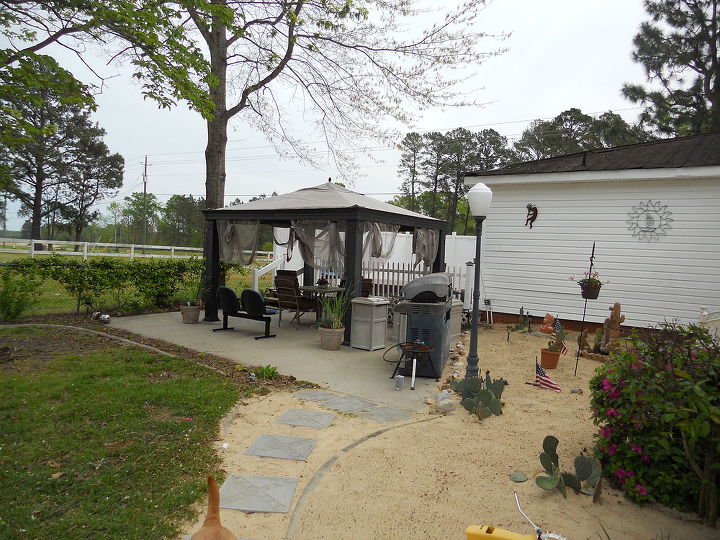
(353, 64)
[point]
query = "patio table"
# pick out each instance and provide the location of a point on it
(318, 292)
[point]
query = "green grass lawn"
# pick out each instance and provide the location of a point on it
(101, 440)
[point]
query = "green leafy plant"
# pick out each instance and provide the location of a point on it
(586, 479)
(18, 292)
(481, 397)
(558, 340)
(334, 309)
(266, 372)
(657, 403)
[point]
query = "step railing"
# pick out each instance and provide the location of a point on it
(277, 264)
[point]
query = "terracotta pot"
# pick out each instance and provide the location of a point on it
(331, 338)
(549, 359)
(190, 314)
(590, 292)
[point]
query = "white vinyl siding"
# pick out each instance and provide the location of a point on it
(654, 281)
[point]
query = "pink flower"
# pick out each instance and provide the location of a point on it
(606, 432)
(645, 458)
(611, 370)
(668, 367)
(636, 448)
(642, 490)
(612, 449)
(612, 412)
(615, 393)
(607, 385)
(635, 366)
(620, 474)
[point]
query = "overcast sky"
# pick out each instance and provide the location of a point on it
(562, 54)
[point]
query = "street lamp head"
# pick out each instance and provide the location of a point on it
(479, 199)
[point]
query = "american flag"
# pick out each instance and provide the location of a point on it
(543, 381)
(557, 326)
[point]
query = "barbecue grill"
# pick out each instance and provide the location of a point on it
(427, 307)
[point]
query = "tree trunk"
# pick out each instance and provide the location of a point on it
(217, 126)
(36, 220)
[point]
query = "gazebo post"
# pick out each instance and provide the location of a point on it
(439, 262)
(353, 266)
(211, 277)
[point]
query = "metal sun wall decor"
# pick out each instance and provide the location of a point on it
(649, 220)
(532, 214)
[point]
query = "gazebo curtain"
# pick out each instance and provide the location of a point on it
(322, 243)
(425, 246)
(238, 240)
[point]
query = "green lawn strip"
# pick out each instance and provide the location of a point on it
(106, 444)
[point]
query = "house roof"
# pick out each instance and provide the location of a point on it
(680, 152)
(324, 201)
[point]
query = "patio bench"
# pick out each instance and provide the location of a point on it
(250, 306)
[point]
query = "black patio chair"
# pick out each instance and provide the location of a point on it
(250, 306)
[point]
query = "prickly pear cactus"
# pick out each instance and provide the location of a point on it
(480, 395)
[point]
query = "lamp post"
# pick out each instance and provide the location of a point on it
(479, 199)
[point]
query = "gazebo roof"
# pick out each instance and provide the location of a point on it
(324, 201)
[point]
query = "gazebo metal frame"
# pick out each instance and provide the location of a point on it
(354, 217)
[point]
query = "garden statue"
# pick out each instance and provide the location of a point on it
(611, 329)
(523, 321)
(606, 338)
(582, 341)
(547, 324)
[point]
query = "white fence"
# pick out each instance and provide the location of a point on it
(23, 246)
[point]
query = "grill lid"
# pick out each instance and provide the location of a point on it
(430, 288)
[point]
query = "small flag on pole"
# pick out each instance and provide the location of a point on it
(557, 326)
(544, 381)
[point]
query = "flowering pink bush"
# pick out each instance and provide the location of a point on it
(657, 406)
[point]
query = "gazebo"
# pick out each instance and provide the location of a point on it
(333, 210)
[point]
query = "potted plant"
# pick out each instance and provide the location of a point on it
(590, 285)
(331, 328)
(550, 356)
(192, 303)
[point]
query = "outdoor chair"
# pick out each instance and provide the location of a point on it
(289, 298)
(366, 286)
(250, 306)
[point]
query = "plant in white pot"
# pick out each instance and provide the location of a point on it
(331, 328)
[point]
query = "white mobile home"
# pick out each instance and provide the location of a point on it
(653, 210)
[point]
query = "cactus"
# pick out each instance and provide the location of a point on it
(587, 477)
(481, 396)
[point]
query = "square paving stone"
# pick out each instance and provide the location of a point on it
(385, 415)
(314, 395)
(313, 419)
(348, 404)
(279, 446)
(257, 493)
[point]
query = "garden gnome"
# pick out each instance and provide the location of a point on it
(547, 324)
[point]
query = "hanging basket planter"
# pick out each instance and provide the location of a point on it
(590, 291)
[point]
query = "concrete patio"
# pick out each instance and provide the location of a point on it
(297, 352)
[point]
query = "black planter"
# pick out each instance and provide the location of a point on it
(590, 292)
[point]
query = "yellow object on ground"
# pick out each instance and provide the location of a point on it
(486, 532)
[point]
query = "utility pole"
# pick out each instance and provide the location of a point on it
(145, 204)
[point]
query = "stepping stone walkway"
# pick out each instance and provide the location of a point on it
(351, 404)
(282, 447)
(275, 493)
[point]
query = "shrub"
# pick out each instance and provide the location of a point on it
(18, 291)
(657, 403)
